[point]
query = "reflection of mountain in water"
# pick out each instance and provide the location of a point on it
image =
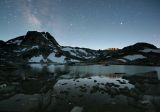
(110, 71)
(62, 88)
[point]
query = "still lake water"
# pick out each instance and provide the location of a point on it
(63, 88)
(99, 69)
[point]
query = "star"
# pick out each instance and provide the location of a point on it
(71, 24)
(121, 23)
(8, 22)
(8, 6)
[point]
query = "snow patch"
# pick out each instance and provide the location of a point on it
(123, 60)
(79, 52)
(150, 50)
(18, 42)
(33, 47)
(24, 49)
(67, 49)
(56, 59)
(73, 60)
(83, 51)
(36, 58)
(73, 54)
(44, 35)
(134, 57)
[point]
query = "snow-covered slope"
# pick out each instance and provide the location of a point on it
(150, 50)
(134, 57)
(52, 58)
(83, 53)
(36, 58)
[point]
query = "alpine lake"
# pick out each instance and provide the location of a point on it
(79, 88)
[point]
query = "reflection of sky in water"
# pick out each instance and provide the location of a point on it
(102, 70)
(99, 69)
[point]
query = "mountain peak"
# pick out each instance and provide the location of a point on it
(39, 38)
(35, 36)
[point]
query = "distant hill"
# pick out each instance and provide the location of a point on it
(137, 54)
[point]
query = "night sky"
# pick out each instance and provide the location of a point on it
(96, 24)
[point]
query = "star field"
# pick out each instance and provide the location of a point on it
(96, 24)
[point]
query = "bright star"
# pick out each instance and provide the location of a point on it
(71, 24)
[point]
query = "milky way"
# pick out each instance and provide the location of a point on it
(96, 24)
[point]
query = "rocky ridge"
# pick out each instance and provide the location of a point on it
(42, 47)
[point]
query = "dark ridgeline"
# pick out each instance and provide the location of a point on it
(34, 44)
